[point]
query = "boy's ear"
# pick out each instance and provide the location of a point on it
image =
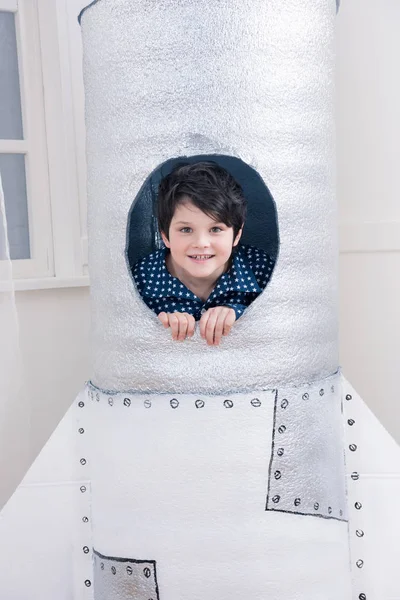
(165, 240)
(239, 235)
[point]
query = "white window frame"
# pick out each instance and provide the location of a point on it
(64, 101)
(50, 64)
(75, 51)
(33, 146)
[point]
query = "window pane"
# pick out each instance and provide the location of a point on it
(10, 98)
(12, 170)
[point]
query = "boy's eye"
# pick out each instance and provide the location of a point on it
(188, 229)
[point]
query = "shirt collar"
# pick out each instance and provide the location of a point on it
(238, 278)
(172, 285)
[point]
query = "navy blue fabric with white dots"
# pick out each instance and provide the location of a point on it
(249, 274)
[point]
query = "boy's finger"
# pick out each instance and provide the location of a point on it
(174, 324)
(183, 325)
(164, 319)
(203, 323)
(229, 321)
(191, 325)
(219, 327)
(210, 327)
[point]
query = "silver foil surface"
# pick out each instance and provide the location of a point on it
(248, 78)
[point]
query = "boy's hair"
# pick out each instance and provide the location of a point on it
(210, 187)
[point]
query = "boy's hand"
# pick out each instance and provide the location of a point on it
(215, 323)
(182, 324)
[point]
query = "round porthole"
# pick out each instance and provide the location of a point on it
(261, 226)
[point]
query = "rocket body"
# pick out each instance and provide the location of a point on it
(251, 80)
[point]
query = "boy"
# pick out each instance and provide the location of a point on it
(203, 274)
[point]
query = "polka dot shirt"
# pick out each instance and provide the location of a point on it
(237, 288)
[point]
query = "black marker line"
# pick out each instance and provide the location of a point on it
(234, 392)
(272, 450)
(295, 512)
(124, 560)
(85, 9)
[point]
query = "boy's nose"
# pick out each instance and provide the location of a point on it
(202, 241)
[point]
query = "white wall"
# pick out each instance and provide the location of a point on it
(368, 145)
(54, 328)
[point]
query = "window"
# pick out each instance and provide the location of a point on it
(42, 150)
(23, 163)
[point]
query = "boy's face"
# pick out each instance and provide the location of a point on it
(199, 246)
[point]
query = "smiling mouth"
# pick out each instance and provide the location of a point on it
(203, 257)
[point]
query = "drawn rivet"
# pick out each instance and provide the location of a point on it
(228, 403)
(353, 447)
(85, 550)
(280, 451)
(83, 461)
(111, 401)
(129, 570)
(85, 519)
(88, 583)
(199, 403)
(174, 403)
(147, 403)
(360, 564)
(102, 566)
(306, 396)
(341, 512)
(358, 505)
(83, 489)
(351, 422)
(97, 397)
(127, 401)
(81, 430)
(316, 506)
(359, 533)
(284, 404)
(81, 404)
(348, 397)
(276, 499)
(146, 572)
(321, 392)
(329, 510)
(332, 388)
(362, 597)
(297, 502)
(113, 570)
(277, 474)
(282, 429)
(255, 402)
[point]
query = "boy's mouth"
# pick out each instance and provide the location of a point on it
(201, 257)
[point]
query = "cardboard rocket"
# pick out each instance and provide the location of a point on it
(182, 470)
